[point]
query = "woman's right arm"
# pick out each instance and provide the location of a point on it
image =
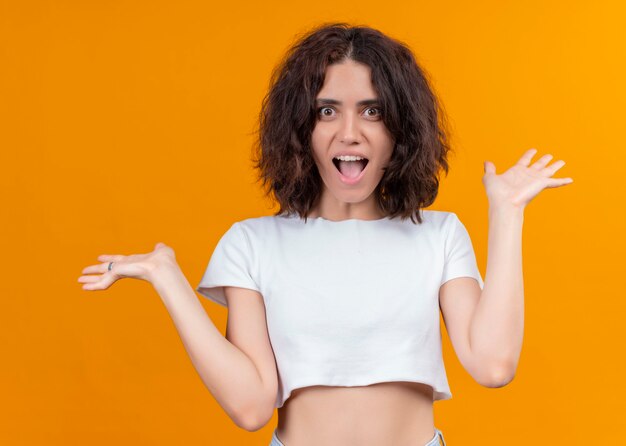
(228, 373)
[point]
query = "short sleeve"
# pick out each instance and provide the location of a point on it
(460, 260)
(230, 265)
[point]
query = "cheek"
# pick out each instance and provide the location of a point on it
(385, 147)
(390, 149)
(319, 144)
(321, 134)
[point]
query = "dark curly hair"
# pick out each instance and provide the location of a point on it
(282, 152)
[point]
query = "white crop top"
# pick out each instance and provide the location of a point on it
(351, 302)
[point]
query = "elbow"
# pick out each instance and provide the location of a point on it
(256, 419)
(257, 412)
(253, 424)
(498, 376)
(246, 423)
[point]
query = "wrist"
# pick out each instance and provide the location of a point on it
(506, 214)
(163, 272)
(506, 208)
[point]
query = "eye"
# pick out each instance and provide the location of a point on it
(319, 111)
(378, 110)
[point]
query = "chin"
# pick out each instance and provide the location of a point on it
(355, 196)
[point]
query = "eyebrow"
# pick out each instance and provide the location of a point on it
(336, 102)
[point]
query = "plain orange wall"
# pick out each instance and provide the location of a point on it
(127, 123)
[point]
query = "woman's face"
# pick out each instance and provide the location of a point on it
(349, 122)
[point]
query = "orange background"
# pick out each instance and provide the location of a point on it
(127, 123)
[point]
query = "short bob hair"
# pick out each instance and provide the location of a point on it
(410, 110)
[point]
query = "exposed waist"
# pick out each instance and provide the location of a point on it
(358, 415)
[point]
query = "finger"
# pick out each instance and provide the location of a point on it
(526, 157)
(541, 162)
(89, 279)
(552, 168)
(91, 269)
(110, 258)
(489, 167)
(100, 268)
(558, 182)
(92, 285)
(101, 283)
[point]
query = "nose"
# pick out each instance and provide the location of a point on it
(350, 132)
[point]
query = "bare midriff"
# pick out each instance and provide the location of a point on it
(398, 413)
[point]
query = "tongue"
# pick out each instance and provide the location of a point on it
(351, 169)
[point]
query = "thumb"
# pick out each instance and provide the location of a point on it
(489, 167)
(159, 245)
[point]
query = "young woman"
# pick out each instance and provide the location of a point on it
(333, 302)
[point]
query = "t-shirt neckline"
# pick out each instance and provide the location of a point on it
(347, 219)
(325, 220)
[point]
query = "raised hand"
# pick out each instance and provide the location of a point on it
(522, 182)
(136, 266)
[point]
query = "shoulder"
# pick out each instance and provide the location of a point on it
(261, 229)
(263, 223)
(440, 220)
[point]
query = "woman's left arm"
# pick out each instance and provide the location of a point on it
(497, 325)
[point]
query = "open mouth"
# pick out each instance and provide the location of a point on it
(350, 169)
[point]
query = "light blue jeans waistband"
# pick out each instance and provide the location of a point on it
(434, 442)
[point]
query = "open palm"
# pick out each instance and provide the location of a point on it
(523, 181)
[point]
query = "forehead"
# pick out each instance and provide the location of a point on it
(347, 80)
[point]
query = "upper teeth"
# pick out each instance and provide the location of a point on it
(349, 158)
